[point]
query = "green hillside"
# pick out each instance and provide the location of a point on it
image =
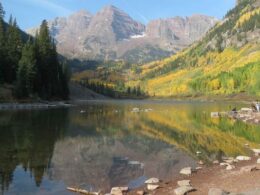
(226, 61)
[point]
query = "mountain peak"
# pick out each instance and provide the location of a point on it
(111, 8)
(111, 33)
(82, 12)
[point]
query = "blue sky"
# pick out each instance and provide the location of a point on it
(30, 13)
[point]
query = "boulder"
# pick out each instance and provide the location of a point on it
(215, 162)
(183, 183)
(258, 161)
(186, 171)
(246, 109)
(223, 164)
(152, 187)
(152, 180)
(230, 167)
(242, 158)
(118, 190)
(256, 151)
(248, 168)
(198, 168)
(230, 161)
(214, 114)
(183, 190)
(136, 110)
(217, 191)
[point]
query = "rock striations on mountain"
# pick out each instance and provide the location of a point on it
(112, 34)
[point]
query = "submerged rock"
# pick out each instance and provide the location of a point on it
(183, 183)
(186, 171)
(183, 190)
(217, 191)
(242, 158)
(248, 168)
(152, 180)
(136, 110)
(223, 164)
(215, 162)
(230, 167)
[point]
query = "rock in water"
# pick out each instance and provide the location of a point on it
(152, 187)
(152, 180)
(215, 162)
(217, 191)
(136, 110)
(224, 164)
(118, 190)
(230, 167)
(183, 190)
(258, 161)
(186, 171)
(256, 151)
(242, 158)
(214, 114)
(183, 183)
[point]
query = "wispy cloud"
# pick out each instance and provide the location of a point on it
(136, 11)
(52, 6)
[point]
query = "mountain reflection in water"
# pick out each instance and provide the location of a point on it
(44, 151)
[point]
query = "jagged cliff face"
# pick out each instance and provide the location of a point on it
(178, 31)
(112, 34)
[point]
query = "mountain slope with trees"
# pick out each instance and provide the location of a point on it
(226, 61)
(30, 68)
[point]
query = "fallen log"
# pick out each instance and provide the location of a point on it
(81, 191)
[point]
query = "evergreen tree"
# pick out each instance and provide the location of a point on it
(21, 88)
(52, 76)
(26, 73)
(2, 43)
(44, 45)
(2, 12)
(13, 49)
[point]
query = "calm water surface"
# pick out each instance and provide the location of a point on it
(44, 151)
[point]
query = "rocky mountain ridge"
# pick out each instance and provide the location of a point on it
(112, 34)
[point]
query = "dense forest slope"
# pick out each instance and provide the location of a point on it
(226, 61)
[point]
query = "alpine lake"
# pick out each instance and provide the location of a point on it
(101, 144)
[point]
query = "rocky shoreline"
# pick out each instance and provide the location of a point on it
(236, 176)
(247, 115)
(30, 106)
(230, 176)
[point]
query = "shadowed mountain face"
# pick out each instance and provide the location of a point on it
(112, 34)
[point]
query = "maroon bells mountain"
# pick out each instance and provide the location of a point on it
(112, 34)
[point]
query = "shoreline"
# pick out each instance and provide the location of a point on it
(240, 180)
(33, 105)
